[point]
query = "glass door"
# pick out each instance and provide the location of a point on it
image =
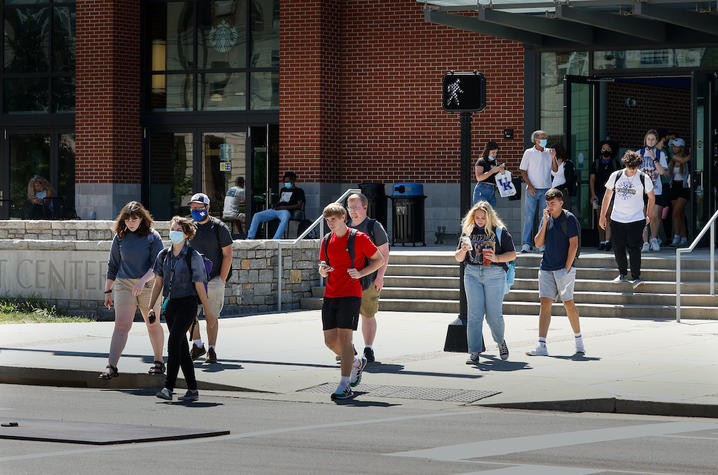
(579, 140)
(171, 172)
(704, 151)
(264, 174)
(224, 166)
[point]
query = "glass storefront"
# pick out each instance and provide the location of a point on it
(223, 162)
(209, 54)
(171, 172)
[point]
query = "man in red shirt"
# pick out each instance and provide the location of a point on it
(342, 295)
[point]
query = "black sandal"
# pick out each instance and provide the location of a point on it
(157, 369)
(111, 373)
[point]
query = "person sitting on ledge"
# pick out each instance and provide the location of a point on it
(291, 199)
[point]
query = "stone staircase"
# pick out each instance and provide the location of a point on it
(428, 281)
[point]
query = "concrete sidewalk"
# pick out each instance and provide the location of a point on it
(634, 360)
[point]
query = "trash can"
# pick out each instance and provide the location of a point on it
(407, 214)
(376, 196)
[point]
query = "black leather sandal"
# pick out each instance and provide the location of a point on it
(157, 369)
(110, 373)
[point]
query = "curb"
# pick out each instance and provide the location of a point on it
(616, 406)
(88, 379)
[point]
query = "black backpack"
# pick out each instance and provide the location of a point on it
(569, 171)
(564, 228)
(217, 223)
(641, 175)
(207, 263)
(365, 281)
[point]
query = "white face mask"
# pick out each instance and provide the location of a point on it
(176, 236)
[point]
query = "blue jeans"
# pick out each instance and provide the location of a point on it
(484, 287)
(485, 192)
(539, 200)
(268, 215)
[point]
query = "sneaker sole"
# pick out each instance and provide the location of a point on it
(356, 382)
(341, 397)
(530, 353)
(638, 286)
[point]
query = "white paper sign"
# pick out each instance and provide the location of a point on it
(505, 185)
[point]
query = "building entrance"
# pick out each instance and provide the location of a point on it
(620, 110)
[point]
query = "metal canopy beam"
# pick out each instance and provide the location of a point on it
(473, 24)
(633, 26)
(543, 26)
(704, 22)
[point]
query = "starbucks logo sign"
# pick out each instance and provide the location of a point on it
(223, 37)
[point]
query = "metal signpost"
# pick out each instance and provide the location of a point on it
(463, 93)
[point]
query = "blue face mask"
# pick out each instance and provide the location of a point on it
(199, 215)
(176, 236)
(288, 185)
(543, 142)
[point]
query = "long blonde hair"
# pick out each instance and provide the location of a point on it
(492, 219)
(31, 186)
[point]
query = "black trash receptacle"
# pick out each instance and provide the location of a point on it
(376, 196)
(407, 214)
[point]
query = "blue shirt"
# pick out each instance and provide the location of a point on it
(182, 279)
(133, 255)
(556, 243)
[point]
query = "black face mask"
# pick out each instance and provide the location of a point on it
(606, 153)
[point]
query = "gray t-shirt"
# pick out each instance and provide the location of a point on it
(379, 236)
(205, 242)
(133, 255)
(173, 270)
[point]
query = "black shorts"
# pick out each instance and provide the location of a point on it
(677, 191)
(664, 199)
(340, 312)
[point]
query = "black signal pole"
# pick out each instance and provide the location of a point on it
(465, 189)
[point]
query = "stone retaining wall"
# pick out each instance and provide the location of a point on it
(71, 273)
(70, 230)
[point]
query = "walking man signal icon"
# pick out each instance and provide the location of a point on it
(454, 88)
(464, 92)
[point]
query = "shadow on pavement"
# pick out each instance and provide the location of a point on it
(491, 363)
(357, 403)
(193, 404)
(145, 358)
(576, 357)
(377, 367)
(216, 367)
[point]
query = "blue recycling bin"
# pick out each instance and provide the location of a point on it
(407, 214)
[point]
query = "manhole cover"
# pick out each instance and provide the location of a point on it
(411, 392)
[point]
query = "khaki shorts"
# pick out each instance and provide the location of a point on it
(122, 294)
(370, 301)
(215, 295)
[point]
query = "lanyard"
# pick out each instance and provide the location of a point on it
(173, 264)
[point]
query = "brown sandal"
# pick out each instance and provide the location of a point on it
(157, 369)
(110, 373)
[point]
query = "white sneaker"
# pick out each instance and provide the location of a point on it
(637, 283)
(620, 279)
(580, 349)
(676, 241)
(541, 249)
(683, 242)
(526, 248)
(539, 351)
(473, 358)
(655, 246)
(646, 247)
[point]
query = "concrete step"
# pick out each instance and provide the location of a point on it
(625, 296)
(421, 270)
(608, 273)
(603, 285)
(532, 308)
(423, 282)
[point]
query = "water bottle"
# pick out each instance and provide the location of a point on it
(93, 214)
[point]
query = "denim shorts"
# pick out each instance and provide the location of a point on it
(557, 283)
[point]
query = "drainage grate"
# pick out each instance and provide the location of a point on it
(411, 392)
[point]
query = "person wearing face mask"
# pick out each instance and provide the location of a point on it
(214, 241)
(599, 171)
(485, 246)
(129, 276)
(655, 166)
(484, 170)
(180, 276)
(536, 166)
(291, 200)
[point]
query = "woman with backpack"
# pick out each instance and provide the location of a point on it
(563, 174)
(181, 275)
(486, 247)
(129, 275)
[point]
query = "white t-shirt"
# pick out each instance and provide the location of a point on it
(538, 167)
(649, 168)
(628, 196)
(559, 177)
(232, 202)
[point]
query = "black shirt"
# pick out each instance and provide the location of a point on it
(602, 172)
(205, 242)
(290, 196)
(480, 241)
(487, 164)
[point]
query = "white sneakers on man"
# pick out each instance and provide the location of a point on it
(655, 246)
(646, 247)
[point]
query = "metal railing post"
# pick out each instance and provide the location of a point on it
(713, 262)
(279, 277)
(678, 285)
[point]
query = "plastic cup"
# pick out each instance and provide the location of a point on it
(485, 253)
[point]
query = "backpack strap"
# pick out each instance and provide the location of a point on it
(350, 244)
(325, 245)
(618, 177)
(370, 228)
(188, 257)
(499, 231)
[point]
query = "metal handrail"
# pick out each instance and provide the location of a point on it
(317, 222)
(684, 250)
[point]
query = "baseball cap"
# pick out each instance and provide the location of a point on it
(199, 198)
(678, 142)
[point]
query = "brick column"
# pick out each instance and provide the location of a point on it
(108, 167)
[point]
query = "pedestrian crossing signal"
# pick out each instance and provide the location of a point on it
(463, 92)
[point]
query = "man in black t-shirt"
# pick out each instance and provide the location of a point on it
(291, 200)
(214, 241)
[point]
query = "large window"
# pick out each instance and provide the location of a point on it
(38, 74)
(208, 55)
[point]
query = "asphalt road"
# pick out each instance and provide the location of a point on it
(306, 433)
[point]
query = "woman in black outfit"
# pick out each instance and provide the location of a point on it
(599, 170)
(181, 286)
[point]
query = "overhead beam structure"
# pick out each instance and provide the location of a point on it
(704, 22)
(563, 30)
(623, 24)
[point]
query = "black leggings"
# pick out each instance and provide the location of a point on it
(180, 315)
(628, 235)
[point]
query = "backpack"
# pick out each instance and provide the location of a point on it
(564, 228)
(365, 281)
(642, 176)
(511, 272)
(188, 256)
